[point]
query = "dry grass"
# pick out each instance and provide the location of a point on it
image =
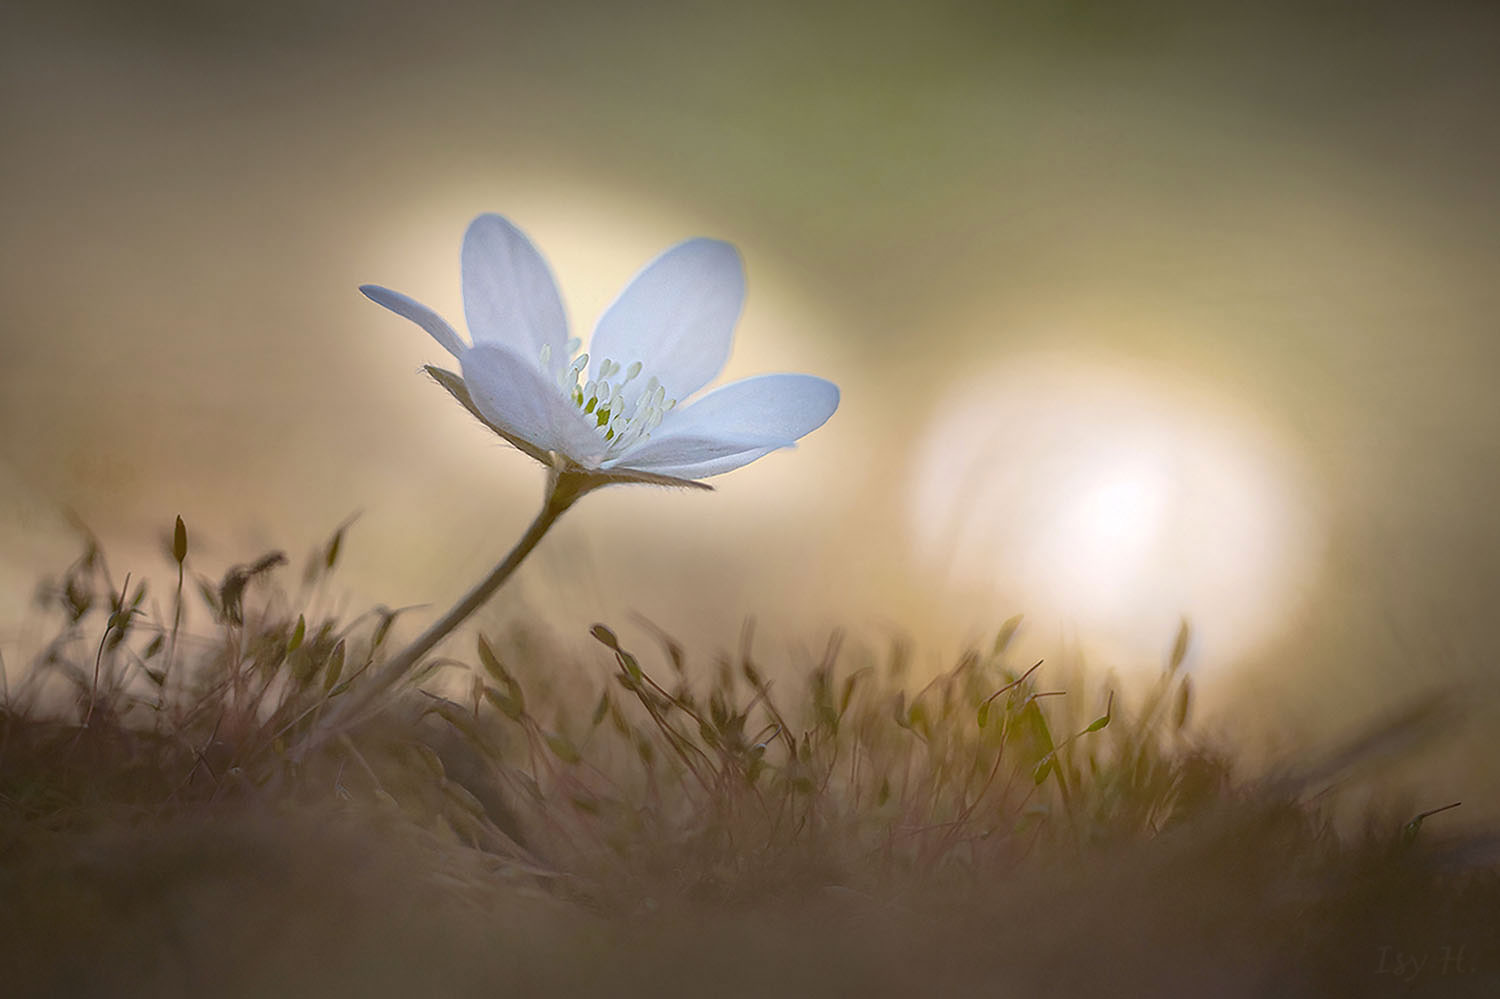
(179, 818)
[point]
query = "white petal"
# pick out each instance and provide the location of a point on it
(763, 408)
(757, 415)
(679, 450)
(510, 298)
(713, 466)
(513, 394)
(410, 308)
(676, 317)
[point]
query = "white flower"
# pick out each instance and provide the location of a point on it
(618, 409)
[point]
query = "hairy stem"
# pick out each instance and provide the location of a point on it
(564, 487)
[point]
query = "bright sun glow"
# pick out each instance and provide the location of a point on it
(1112, 504)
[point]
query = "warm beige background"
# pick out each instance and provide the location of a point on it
(1296, 209)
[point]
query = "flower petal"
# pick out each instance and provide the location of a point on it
(410, 308)
(676, 317)
(715, 466)
(757, 414)
(454, 385)
(685, 449)
(761, 408)
(512, 393)
(510, 298)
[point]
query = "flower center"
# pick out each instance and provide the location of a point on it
(622, 413)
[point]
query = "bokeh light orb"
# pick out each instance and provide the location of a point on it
(1111, 503)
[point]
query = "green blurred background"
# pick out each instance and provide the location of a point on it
(1288, 209)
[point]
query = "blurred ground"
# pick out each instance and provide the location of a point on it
(314, 906)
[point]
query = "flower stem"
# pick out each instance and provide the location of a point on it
(564, 487)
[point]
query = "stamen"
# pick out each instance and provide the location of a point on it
(619, 421)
